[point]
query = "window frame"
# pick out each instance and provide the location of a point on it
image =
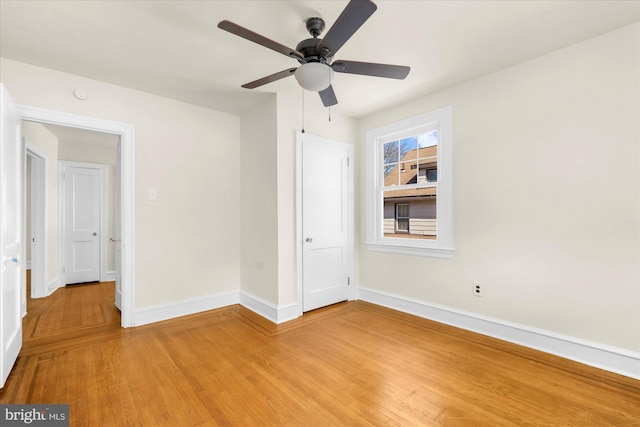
(442, 246)
(398, 217)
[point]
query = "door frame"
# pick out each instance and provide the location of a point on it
(301, 139)
(126, 189)
(62, 216)
(37, 217)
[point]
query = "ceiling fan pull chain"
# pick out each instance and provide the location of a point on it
(329, 114)
(302, 110)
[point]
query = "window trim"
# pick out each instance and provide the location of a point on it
(442, 247)
(398, 217)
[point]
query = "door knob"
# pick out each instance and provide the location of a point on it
(95, 234)
(308, 240)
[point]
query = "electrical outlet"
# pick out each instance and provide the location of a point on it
(478, 289)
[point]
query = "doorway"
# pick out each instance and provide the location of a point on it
(124, 177)
(83, 217)
(324, 221)
(36, 213)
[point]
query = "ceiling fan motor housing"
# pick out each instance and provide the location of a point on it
(307, 47)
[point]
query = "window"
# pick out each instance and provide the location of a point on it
(409, 186)
(402, 218)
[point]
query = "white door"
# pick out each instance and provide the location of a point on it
(326, 221)
(11, 161)
(82, 206)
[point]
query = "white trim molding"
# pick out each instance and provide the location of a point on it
(442, 246)
(53, 286)
(39, 263)
(270, 311)
(160, 312)
(172, 310)
(118, 302)
(608, 358)
(127, 189)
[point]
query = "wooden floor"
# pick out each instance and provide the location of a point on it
(350, 364)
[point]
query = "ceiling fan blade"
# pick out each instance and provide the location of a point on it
(272, 78)
(371, 69)
(328, 97)
(259, 39)
(351, 18)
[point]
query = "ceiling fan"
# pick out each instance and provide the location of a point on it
(315, 55)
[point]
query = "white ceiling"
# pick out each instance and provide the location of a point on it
(174, 48)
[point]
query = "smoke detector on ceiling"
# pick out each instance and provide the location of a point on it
(80, 94)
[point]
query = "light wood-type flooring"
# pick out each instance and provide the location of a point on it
(352, 364)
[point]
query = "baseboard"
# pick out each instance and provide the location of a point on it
(109, 276)
(28, 265)
(268, 310)
(171, 310)
(119, 300)
(609, 358)
(354, 293)
(288, 312)
(53, 286)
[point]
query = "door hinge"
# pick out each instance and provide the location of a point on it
(348, 281)
(348, 161)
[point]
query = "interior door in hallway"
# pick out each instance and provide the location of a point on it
(327, 183)
(82, 221)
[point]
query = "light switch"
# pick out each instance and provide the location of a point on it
(153, 194)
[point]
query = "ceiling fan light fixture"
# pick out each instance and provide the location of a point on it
(314, 76)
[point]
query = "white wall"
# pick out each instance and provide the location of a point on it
(226, 184)
(546, 196)
(259, 208)
(268, 156)
(187, 243)
(268, 166)
(76, 151)
(47, 144)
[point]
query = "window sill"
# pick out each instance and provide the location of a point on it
(411, 250)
